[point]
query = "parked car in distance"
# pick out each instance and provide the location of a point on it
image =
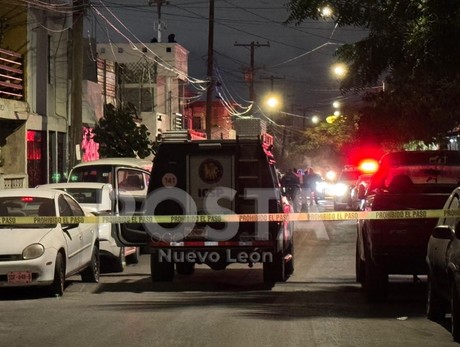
(321, 188)
(443, 259)
(358, 191)
(342, 188)
(98, 199)
(45, 253)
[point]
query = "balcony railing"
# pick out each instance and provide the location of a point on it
(11, 75)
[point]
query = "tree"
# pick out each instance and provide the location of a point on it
(412, 46)
(323, 144)
(120, 136)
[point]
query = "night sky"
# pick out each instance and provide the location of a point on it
(298, 60)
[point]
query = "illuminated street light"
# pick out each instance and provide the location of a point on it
(315, 119)
(326, 12)
(336, 104)
(339, 70)
(272, 102)
(337, 113)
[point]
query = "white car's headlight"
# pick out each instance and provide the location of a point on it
(340, 189)
(320, 186)
(33, 251)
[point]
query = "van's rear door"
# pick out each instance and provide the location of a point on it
(208, 176)
(131, 186)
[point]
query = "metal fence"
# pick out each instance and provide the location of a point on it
(11, 75)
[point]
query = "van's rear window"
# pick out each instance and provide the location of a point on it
(99, 173)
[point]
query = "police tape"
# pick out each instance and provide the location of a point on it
(241, 218)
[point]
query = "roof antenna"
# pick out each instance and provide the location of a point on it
(160, 26)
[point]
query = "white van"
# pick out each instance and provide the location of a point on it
(128, 176)
(105, 170)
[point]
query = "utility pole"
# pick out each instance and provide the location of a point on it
(272, 80)
(160, 26)
(250, 77)
(210, 89)
(77, 77)
(304, 114)
(283, 145)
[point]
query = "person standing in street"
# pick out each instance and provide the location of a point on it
(291, 184)
(309, 186)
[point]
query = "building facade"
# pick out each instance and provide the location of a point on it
(151, 77)
(33, 95)
(38, 59)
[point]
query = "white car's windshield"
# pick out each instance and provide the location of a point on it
(85, 195)
(27, 206)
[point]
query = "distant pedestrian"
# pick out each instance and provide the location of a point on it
(291, 185)
(290, 178)
(309, 186)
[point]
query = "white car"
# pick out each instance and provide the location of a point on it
(45, 254)
(98, 199)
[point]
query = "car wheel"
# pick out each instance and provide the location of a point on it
(436, 306)
(339, 206)
(133, 258)
(57, 287)
(289, 266)
(161, 271)
(455, 312)
(185, 268)
(360, 266)
(120, 261)
(92, 272)
(275, 271)
(375, 282)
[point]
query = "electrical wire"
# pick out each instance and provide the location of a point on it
(156, 58)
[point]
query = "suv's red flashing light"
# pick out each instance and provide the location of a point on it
(369, 166)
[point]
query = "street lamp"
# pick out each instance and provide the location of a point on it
(339, 70)
(272, 101)
(326, 12)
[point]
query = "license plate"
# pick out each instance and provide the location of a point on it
(196, 233)
(19, 277)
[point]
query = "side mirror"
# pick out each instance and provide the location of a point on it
(443, 232)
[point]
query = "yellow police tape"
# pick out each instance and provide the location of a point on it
(259, 217)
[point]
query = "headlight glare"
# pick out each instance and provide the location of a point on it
(340, 189)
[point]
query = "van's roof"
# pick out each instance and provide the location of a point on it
(132, 162)
(76, 185)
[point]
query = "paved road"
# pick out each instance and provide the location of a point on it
(320, 305)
